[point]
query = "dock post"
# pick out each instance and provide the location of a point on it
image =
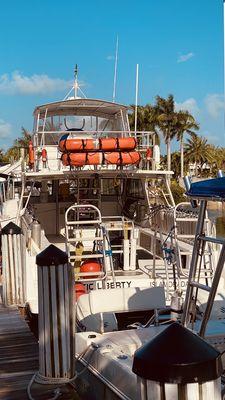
(177, 364)
(56, 322)
(13, 265)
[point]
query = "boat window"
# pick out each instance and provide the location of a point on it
(110, 186)
(134, 188)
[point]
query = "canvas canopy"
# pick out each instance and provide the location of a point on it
(87, 107)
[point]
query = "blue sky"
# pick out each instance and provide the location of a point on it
(178, 45)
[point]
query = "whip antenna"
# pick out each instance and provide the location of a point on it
(136, 101)
(115, 69)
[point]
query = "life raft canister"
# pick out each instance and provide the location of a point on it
(101, 158)
(126, 143)
(71, 144)
(79, 290)
(122, 158)
(91, 265)
(31, 154)
(67, 143)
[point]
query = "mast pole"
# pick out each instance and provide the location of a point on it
(75, 81)
(136, 100)
(224, 58)
(115, 70)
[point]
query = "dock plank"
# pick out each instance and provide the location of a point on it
(19, 360)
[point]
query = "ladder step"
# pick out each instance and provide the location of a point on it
(87, 222)
(85, 239)
(200, 286)
(187, 219)
(211, 239)
(86, 256)
(184, 236)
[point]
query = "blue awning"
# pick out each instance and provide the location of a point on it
(208, 188)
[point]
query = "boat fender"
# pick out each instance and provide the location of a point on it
(148, 154)
(79, 290)
(31, 155)
(44, 155)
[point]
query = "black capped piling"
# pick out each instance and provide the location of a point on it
(180, 357)
(13, 265)
(56, 316)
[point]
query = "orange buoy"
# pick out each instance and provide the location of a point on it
(90, 265)
(79, 290)
(31, 154)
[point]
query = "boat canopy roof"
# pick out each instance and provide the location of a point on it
(81, 107)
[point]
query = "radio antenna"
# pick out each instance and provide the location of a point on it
(136, 101)
(115, 70)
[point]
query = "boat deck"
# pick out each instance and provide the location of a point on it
(19, 359)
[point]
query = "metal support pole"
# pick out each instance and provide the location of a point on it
(56, 315)
(213, 291)
(194, 261)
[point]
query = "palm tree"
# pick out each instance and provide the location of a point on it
(146, 120)
(185, 124)
(198, 151)
(166, 121)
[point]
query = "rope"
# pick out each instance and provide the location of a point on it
(43, 380)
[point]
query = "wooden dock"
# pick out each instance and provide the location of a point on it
(19, 360)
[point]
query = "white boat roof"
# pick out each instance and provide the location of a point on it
(55, 175)
(85, 107)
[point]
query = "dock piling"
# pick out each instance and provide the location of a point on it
(13, 265)
(56, 315)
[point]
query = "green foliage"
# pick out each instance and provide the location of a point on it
(13, 153)
(178, 192)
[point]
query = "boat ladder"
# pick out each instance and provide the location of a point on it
(194, 284)
(184, 230)
(87, 238)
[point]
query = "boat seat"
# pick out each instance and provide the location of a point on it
(96, 310)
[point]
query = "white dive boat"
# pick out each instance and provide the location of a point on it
(89, 189)
(94, 189)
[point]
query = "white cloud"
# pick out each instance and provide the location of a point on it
(214, 104)
(5, 129)
(185, 57)
(34, 84)
(188, 105)
(110, 58)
